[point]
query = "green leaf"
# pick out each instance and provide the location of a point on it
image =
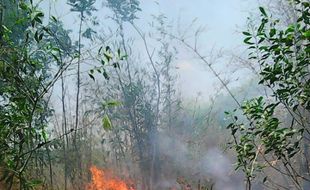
(261, 40)
(261, 28)
(91, 76)
(116, 65)
(265, 179)
(246, 33)
(113, 103)
(247, 41)
(6, 29)
(105, 74)
(44, 135)
(107, 56)
(99, 51)
(262, 10)
(36, 37)
(54, 18)
(106, 123)
(307, 34)
(23, 6)
(55, 57)
(40, 14)
(40, 36)
(272, 32)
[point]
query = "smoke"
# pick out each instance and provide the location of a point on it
(219, 167)
(212, 164)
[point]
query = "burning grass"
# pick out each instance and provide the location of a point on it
(104, 180)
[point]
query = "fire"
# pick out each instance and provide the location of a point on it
(103, 180)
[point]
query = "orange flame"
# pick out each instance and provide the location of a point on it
(102, 180)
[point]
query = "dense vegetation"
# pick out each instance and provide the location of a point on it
(269, 140)
(72, 99)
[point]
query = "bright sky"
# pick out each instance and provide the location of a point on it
(221, 19)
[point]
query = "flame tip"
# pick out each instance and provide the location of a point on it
(103, 180)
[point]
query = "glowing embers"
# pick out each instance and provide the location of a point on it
(103, 180)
